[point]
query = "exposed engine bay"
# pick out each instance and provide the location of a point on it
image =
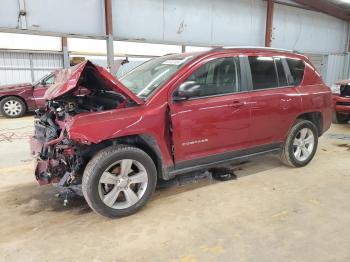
(94, 101)
(56, 154)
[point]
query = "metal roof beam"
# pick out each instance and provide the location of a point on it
(325, 7)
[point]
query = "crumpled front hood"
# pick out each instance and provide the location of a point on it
(69, 79)
(15, 87)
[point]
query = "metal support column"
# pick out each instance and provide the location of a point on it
(109, 41)
(32, 77)
(22, 18)
(110, 55)
(269, 23)
(66, 62)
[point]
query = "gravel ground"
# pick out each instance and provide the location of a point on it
(270, 213)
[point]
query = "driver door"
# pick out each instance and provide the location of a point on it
(40, 89)
(216, 122)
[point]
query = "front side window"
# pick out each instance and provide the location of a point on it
(50, 80)
(147, 77)
(218, 76)
(296, 67)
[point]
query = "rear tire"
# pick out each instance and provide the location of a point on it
(12, 107)
(119, 181)
(339, 118)
(301, 144)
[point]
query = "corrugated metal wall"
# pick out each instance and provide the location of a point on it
(224, 22)
(318, 61)
(336, 68)
(64, 16)
(308, 31)
(197, 22)
(21, 67)
(227, 22)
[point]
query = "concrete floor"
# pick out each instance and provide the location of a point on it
(270, 213)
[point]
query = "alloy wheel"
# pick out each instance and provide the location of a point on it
(303, 144)
(123, 184)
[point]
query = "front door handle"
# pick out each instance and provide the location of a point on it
(237, 104)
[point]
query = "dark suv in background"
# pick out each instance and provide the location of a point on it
(172, 115)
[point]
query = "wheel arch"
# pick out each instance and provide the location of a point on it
(316, 118)
(145, 142)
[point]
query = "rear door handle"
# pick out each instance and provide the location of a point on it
(237, 104)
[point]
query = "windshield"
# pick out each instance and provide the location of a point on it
(147, 77)
(41, 79)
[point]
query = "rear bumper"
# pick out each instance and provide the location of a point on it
(341, 104)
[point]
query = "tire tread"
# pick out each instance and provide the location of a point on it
(95, 163)
(285, 155)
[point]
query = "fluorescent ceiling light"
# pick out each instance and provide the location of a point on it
(264, 58)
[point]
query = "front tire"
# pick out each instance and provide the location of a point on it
(12, 107)
(119, 181)
(301, 144)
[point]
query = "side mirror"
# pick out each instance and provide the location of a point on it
(43, 82)
(187, 90)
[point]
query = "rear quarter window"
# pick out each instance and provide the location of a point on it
(296, 67)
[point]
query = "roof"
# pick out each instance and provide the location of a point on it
(250, 48)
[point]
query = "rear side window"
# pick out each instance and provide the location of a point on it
(263, 72)
(296, 67)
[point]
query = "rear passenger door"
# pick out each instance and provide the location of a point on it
(274, 100)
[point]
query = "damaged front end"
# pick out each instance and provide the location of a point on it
(58, 159)
(83, 89)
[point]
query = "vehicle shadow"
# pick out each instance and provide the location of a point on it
(28, 114)
(31, 199)
(184, 183)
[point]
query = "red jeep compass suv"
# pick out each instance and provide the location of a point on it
(172, 115)
(341, 102)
